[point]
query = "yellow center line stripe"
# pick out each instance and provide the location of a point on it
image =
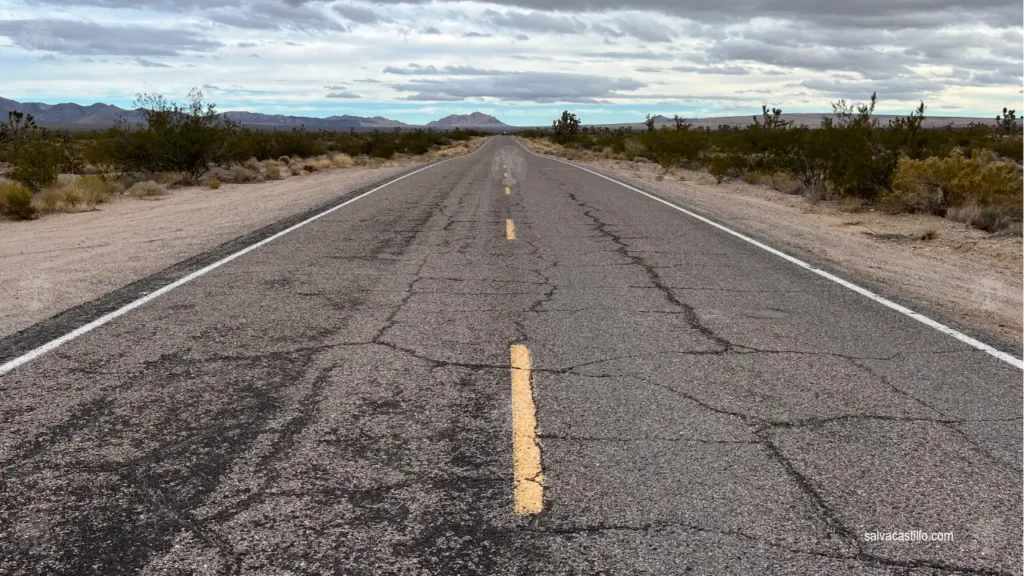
(526, 467)
(508, 190)
(510, 229)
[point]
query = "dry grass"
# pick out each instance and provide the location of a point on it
(996, 219)
(320, 163)
(342, 160)
(16, 201)
(147, 189)
(242, 174)
(170, 179)
(295, 169)
(76, 194)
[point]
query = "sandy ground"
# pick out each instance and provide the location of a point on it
(61, 260)
(968, 276)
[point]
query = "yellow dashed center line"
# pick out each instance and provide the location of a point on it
(526, 468)
(508, 190)
(510, 229)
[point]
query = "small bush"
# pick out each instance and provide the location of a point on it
(633, 148)
(274, 172)
(75, 194)
(214, 184)
(285, 160)
(253, 164)
(994, 219)
(937, 184)
(16, 201)
(342, 160)
(309, 168)
(35, 164)
(147, 189)
(295, 169)
(170, 178)
(241, 174)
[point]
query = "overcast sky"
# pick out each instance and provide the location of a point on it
(521, 60)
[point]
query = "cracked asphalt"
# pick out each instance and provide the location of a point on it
(338, 402)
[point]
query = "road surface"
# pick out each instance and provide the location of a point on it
(568, 378)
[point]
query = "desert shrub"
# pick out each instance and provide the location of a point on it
(295, 169)
(342, 160)
(937, 184)
(241, 174)
(284, 160)
(35, 163)
(214, 184)
(995, 219)
(185, 138)
(723, 166)
(274, 172)
(171, 178)
(755, 178)
(309, 167)
(16, 201)
(253, 164)
(147, 189)
(633, 147)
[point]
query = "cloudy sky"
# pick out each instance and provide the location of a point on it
(521, 60)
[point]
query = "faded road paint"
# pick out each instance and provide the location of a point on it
(526, 466)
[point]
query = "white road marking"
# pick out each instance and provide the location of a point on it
(1008, 358)
(58, 342)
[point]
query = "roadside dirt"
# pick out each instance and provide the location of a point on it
(969, 276)
(62, 260)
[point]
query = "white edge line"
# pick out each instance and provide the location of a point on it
(81, 330)
(1008, 358)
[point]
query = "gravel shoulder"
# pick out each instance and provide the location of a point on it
(63, 260)
(968, 277)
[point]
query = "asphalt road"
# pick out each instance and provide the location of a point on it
(340, 400)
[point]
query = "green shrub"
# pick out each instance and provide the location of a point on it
(16, 201)
(35, 163)
(633, 147)
(937, 184)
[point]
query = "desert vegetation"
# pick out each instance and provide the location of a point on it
(971, 174)
(177, 144)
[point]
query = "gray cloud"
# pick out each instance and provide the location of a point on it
(359, 14)
(723, 70)
(521, 86)
(343, 94)
(416, 69)
(535, 22)
(150, 63)
(915, 88)
(273, 15)
(88, 38)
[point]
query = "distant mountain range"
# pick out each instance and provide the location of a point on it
(102, 115)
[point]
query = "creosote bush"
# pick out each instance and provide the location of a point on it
(850, 157)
